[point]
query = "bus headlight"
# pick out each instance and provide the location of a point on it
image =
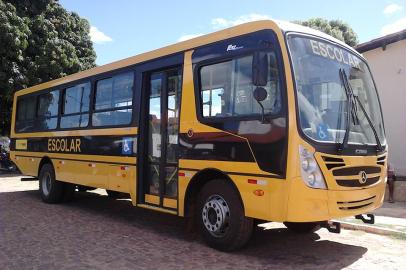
(311, 174)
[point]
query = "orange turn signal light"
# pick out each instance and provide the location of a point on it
(259, 192)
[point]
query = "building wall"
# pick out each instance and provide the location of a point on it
(389, 70)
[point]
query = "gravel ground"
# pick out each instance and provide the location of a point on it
(94, 232)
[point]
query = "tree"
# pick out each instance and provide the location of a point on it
(39, 41)
(336, 28)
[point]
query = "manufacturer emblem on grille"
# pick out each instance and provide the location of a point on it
(363, 177)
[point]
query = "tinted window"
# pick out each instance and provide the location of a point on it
(74, 121)
(112, 118)
(114, 100)
(48, 107)
(114, 92)
(77, 99)
(48, 104)
(76, 106)
(227, 89)
(26, 108)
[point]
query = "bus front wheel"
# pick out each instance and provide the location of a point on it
(221, 218)
(302, 227)
(52, 191)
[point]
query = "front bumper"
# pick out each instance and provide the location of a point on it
(306, 204)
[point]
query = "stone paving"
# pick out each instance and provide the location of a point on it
(94, 232)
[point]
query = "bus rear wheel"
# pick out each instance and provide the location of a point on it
(52, 191)
(302, 227)
(221, 217)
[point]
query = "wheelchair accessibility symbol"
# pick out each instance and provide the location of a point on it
(322, 132)
(127, 146)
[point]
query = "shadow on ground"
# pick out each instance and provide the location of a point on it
(97, 232)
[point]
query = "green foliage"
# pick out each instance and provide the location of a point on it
(336, 28)
(39, 41)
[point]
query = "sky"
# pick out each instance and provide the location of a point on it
(123, 28)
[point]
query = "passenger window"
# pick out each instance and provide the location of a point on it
(48, 108)
(48, 104)
(76, 106)
(114, 100)
(227, 89)
(114, 92)
(26, 113)
(26, 109)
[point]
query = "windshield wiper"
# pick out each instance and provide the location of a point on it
(352, 101)
(349, 109)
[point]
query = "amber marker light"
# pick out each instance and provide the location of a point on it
(259, 192)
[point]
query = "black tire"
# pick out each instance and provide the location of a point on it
(113, 194)
(12, 167)
(220, 216)
(51, 190)
(302, 227)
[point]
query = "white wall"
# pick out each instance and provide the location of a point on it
(389, 70)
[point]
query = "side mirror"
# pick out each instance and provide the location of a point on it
(260, 68)
(260, 94)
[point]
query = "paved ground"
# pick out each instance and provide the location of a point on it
(94, 232)
(389, 218)
(395, 210)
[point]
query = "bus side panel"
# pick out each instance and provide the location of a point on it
(85, 173)
(108, 176)
(27, 165)
(270, 206)
(121, 178)
(266, 199)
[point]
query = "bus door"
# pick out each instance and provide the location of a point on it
(159, 179)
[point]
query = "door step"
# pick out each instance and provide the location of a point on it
(163, 210)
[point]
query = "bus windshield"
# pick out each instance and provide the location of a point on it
(322, 98)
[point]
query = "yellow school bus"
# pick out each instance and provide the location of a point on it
(265, 121)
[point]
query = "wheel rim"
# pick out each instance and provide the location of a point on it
(46, 183)
(216, 215)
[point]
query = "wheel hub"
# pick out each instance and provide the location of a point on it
(216, 215)
(46, 184)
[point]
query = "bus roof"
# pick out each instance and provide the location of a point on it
(184, 46)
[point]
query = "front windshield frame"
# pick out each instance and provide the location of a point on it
(331, 147)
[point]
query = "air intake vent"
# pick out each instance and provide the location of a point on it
(352, 205)
(356, 170)
(357, 183)
(332, 159)
(332, 162)
(381, 160)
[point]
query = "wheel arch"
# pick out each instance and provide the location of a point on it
(44, 160)
(196, 184)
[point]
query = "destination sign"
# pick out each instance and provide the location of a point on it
(334, 53)
(64, 145)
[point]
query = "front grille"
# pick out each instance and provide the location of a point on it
(352, 205)
(351, 176)
(332, 162)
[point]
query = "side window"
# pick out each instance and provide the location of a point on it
(113, 104)
(227, 89)
(26, 107)
(75, 112)
(48, 106)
